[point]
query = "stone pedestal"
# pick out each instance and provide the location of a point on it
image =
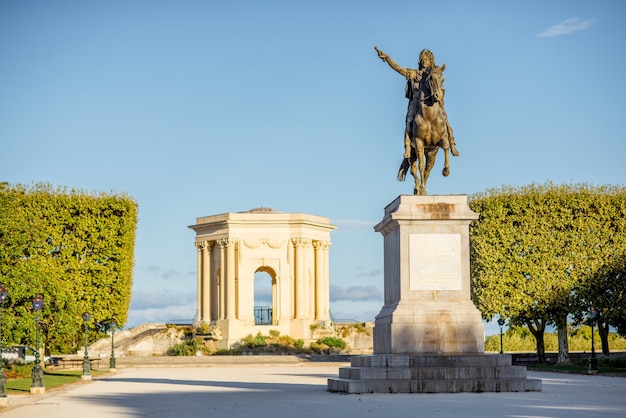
(427, 308)
(429, 336)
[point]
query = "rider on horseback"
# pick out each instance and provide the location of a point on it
(414, 78)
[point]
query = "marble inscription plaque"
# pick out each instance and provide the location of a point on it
(435, 262)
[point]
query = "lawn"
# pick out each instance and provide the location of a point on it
(50, 380)
(612, 371)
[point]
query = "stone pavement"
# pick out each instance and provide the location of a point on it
(245, 387)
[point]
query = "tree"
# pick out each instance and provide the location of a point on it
(535, 248)
(74, 248)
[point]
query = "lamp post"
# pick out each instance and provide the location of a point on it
(501, 323)
(86, 364)
(3, 378)
(37, 386)
(112, 326)
(593, 361)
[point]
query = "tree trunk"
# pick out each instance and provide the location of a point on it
(603, 330)
(537, 328)
(563, 357)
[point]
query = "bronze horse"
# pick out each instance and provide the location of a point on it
(430, 131)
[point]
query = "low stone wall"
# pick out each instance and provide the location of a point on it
(157, 339)
(359, 336)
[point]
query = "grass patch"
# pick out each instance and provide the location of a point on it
(50, 380)
(577, 369)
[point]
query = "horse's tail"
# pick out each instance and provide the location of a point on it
(404, 168)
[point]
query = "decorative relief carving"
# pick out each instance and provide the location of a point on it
(252, 243)
(272, 243)
(321, 245)
(227, 242)
(301, 242)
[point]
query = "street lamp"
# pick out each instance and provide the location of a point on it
(3, 378)
(112, 326)
(593, 361)
(86, 364)
(501, 323)
(37, 386)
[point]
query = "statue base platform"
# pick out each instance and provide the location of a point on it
(399, 373)
(429, 336)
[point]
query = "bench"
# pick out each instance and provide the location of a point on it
(75, 363)
(525, 360)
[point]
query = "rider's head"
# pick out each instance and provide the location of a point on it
(427, 59)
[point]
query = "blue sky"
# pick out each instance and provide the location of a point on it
(198, 108)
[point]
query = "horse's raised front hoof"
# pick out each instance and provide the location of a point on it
(446, 171)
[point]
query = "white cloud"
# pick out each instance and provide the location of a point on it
(163, 298)
(568, 26)
(159, 272)
(371, 273)
(356, 293)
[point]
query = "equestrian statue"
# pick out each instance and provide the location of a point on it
(427, 128)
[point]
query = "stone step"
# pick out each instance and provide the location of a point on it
(433, 386)
(434, 373)
(426, 373)
(432, 360)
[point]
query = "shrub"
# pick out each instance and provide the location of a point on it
(253, 342)
(332, 342)
(274, 333)
(188, 348)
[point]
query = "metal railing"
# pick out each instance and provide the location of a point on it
(262, 315)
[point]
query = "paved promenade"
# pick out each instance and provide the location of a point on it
(297, 389)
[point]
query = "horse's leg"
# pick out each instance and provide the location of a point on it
(446, 163)
(430, 163)
(420, 184)
(415, 176)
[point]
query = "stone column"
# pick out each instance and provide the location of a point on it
(326, 291)
(222, 280)
(206, 282)
(199, 247)
(299, 279)
(321, 280)
(231, 295)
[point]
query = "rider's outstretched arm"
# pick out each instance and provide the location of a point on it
(406, 72)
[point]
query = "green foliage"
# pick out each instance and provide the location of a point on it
(254, 341)
(180, 349)
(358, 327)
(74, 248)
(578, 340)
(272, 344)
(15, 370)
(189, 347)
(332, 342)
(541, 253)
(274, 333)
(328, 345)
(51, 380)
